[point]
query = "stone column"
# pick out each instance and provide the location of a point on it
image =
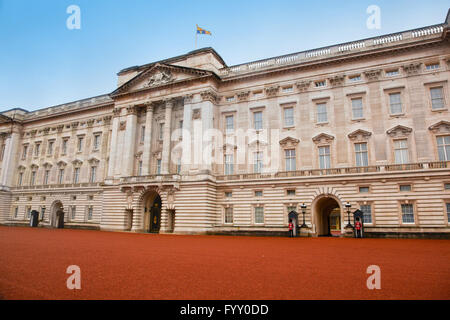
(10, 158)
(146, 156)
(113, 148)
(186, 158)
(166, 138)
(129, 142)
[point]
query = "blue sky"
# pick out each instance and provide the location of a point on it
(43, 63)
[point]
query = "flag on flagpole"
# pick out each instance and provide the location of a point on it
(203, 31)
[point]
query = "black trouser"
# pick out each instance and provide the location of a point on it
(291, 233)
(358, 233)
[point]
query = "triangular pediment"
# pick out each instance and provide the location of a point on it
(359, 134)
(440, 127)
(160, 75)
(289, 142)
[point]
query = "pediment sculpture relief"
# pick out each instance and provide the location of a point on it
(160, 77)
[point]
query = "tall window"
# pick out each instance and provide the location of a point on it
(64, 146)
(80, 144)
(93, 174)
(448, 212)
(142, 133)
(357, 108)
(158, 166)
(61, 176)
(443, 144)
(257, 162)
(28, 212)
(367, 213)
(161, 130)
(179, 165)
(289, 117)
(33, 178)
(2, 152)
(96, 141)
(76, 175)
(73, 212)
(20, 179)
(401, 151)
(50, 147)
(37, 148)
(229, 215)
(259, 215)
(140, 168)
(90, 212)
(229, 123)
(257, 120)
(407, 213)
(437, 98)
(324, 157)
(229, 164)
(46, 175)
(290, 159)
(395, 103)
(24, 153)
(322, 112)
(42, 212)
(16, 212)
(362, 159)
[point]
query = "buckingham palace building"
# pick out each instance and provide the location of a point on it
(191, 145)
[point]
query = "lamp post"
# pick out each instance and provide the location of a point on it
(303, 206)
(348, 206)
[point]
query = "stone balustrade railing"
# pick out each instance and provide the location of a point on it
(338, 171)
(58, 186)
(344, 48)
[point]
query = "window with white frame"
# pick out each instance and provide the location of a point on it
(50, 147)
(355, 78)
(76, 175)
(179, 165)
(259, 215)
(228, 194)
(158, 166)
(432, 66)
(362, 158)
(142, 134)
(64, 146)
(28, 212)
(289, 117)
(448, 212)
(443, 145)
(319, 84)
(437, 98)
(96, 141)
(324, 157)
(257, 162)
(90, 212)
(258, 193)
(61, 176)
(364, 189)
(322, 112)
(20, 179)
(42, 213)
(287, 89)
(229, 215)
(392, 73)
(80, 144)
(395, 103)
(367, 213)
(229, 123)
(357, 108)
(290, 192)
(24, 153)
(405, 187)
(33, 178)
(16, 212)
(257, 120)
(401, 151)
(93, 177)
(46, 176)
(37, 148)
(161, 130)
(229, 164)
(139, 168)
(407, 213)
(73, 212)
(290, 159)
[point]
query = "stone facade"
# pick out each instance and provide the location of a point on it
(190, 145)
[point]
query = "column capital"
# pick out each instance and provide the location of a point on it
(132, 110)
(169, 102)
(116, 112)
(187, 99)
(209, 95)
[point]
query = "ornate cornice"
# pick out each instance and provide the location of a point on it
(440, 127)
(412, 68)
(359, 134)
(107, 119)
(289, 142)
(337, 80)
(243, 96)
(373, 75)
(272, 91)
(303, 85)
(399, 130)
(323, 138)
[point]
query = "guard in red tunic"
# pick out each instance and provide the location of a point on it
(358, 228)
(291, 229)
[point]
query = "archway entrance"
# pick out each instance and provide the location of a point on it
(327, 217)
(57, 213)
(152, 212)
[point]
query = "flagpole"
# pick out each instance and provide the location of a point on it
(196, 33)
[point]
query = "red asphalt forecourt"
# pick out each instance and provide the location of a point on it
(116, 265)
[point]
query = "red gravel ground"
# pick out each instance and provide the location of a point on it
(33, 265)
